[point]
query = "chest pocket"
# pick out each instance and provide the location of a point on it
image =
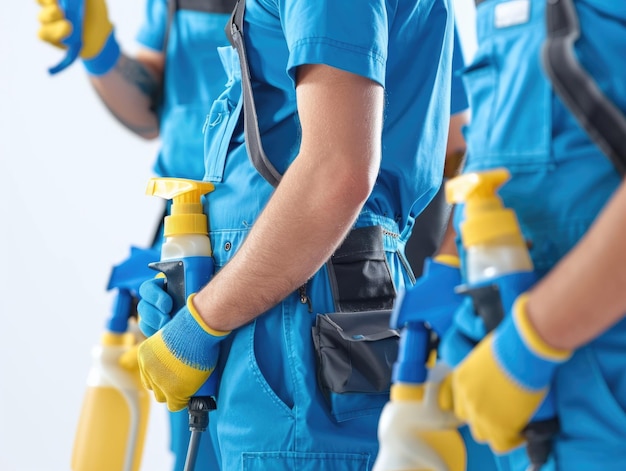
(223, 118)
(510, 98)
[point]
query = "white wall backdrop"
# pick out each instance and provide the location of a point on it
(72, 185)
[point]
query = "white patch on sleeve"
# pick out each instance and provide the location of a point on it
(515, 12)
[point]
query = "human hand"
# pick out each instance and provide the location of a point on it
(155, 305)
(415, 433)
(99, 49)
(176, 361)
(500, 385)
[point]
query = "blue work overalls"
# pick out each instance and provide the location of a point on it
(271, 413)
(559, 183)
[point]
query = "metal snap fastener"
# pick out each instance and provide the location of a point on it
(228, 246)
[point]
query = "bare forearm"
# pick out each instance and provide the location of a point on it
(313, 207)
(260, 276)
(586, 292)
(130, 91)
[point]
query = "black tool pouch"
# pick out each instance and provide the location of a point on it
(355, 347)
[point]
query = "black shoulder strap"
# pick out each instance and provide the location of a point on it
(602, 120)
(234, 32)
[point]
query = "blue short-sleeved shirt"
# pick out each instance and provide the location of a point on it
(369, 38)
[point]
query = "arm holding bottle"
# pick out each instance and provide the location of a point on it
(331, 178)
(128, 86)
(575, 302)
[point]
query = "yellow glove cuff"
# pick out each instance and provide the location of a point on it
(530, 336)
(450, 260)
(196, 315)
(406, 392)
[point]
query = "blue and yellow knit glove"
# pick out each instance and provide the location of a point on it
(177, 360)
(499, 386)
(100, 51)
(155, 305)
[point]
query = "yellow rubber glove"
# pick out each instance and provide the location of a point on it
(99, 49)
(176, 361)
(415, 434)
(500, 385)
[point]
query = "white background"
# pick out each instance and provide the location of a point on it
(72, 184)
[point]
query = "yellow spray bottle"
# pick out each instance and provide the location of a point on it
(490, 232)
(187, 263)
(498, 269)
(113, 421)
(497, 264)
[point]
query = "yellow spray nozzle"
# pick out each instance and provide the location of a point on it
(486, 218)
(187, 216)
(476, 187)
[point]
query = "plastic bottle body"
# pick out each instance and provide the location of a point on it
(499, 257)
(114, 416)
(185, 245)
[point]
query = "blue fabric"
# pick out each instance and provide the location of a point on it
(559, 183)
(194, 77)
(269, 377)
(458, 100)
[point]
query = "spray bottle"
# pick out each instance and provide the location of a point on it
(187, 263)
(413, 434)
(113, 421)
(498, 269)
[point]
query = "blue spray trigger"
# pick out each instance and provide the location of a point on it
(74, 11)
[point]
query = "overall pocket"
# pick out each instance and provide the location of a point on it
(355, 347)
(510, 97)
(218, 129)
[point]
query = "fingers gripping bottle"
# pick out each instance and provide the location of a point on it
(414, 434)
(498, 268)
(187, 263)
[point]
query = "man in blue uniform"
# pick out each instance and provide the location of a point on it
(570, 326)
(353, 109)
(165, 90)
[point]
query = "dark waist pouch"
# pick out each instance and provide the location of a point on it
(355, 346)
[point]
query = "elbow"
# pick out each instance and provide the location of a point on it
(356, 182)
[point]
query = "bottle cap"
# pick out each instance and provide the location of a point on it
(186, 213)
(485, 217)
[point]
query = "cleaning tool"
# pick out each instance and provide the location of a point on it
(114, 416)
(187, 263)
(498, 269)
(414, 433)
